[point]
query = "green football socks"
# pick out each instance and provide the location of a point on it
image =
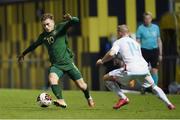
(57, 91)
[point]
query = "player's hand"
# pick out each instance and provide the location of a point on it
(99, 62)
(67, 16)
(21, 58)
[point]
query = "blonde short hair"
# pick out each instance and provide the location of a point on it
(147, 13)
(123, 28)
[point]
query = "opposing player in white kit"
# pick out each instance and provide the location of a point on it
(135, 68)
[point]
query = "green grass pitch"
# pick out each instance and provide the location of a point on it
(19, 104)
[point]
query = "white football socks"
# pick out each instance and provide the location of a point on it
(113, 86)
(159, 92)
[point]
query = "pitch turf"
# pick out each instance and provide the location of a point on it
(18, 104)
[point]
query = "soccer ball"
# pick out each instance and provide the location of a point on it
(44, 100)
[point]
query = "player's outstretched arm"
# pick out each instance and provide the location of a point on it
(108, 56)
(99, 62)
(21, 58)
(70, 20)
(67, 17)
(29, 49)
(67, 23)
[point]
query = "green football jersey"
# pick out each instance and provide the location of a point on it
(56, 43)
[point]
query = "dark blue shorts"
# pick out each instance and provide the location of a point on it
(151, 56)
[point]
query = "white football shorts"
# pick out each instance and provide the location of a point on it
(124, 78)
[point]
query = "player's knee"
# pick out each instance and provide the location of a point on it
(153, 87)
(106, 77)
(53, 81)
(154, 70)
(53, 78)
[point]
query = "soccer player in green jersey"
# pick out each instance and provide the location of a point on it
(54, 37)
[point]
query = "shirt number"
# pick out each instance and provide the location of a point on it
(50, 40)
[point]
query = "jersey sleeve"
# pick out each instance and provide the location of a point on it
(158, 32)
(63, 26)
(71, 22)
(138, 33)
(115, 47)
(34, 45)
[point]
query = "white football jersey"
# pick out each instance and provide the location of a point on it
(131, 54)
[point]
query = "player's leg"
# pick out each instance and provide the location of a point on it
(147, 56)
(83, 86)
(76, 76)
(158, 91)
(154, 72)
(54, 74)
(154, 65)
(111, 83)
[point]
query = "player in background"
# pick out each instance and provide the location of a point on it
(148, 35)
(54, 37)
(135, 68)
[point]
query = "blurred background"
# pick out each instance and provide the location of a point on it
(20, 26)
